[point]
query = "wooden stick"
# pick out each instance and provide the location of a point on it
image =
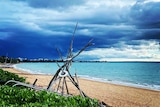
(66, 87)
(35, 82)
(55, 76)
(71, 44)
(63, 85)
(59, 53)
(76, 78)
(59, 84)
(77, 86)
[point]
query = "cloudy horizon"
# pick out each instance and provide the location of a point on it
(122, 30)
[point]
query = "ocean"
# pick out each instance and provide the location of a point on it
(136, 74)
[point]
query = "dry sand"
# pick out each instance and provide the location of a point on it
(113, 95)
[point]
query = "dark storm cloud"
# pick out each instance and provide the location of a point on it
(146, 14)
(33, 44)
(149, 35)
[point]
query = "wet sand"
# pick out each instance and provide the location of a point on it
(111, 94)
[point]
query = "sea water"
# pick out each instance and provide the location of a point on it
(136, 74)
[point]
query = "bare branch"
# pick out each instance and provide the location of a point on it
(59, 53)
(71, 44)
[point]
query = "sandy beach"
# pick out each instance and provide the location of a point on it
(111, 94)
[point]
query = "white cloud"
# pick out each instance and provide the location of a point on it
(146, 51)
(92, 11)
(118, 3)
(147, 1)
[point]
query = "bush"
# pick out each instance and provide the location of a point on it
(23, 97)
(5, 76)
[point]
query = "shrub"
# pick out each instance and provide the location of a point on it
(23, 97)
(5, 76)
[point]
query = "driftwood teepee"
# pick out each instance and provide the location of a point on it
(61, 75)
(63, 72)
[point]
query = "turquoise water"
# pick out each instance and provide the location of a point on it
(138, 74)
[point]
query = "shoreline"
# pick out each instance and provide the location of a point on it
(128, 84)
(133, 85)
(114, 95)
(23, 72)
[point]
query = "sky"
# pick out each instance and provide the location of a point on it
(122, 30)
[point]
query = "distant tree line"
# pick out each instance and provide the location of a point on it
(4, 59)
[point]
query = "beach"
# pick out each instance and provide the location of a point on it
(112, 94)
